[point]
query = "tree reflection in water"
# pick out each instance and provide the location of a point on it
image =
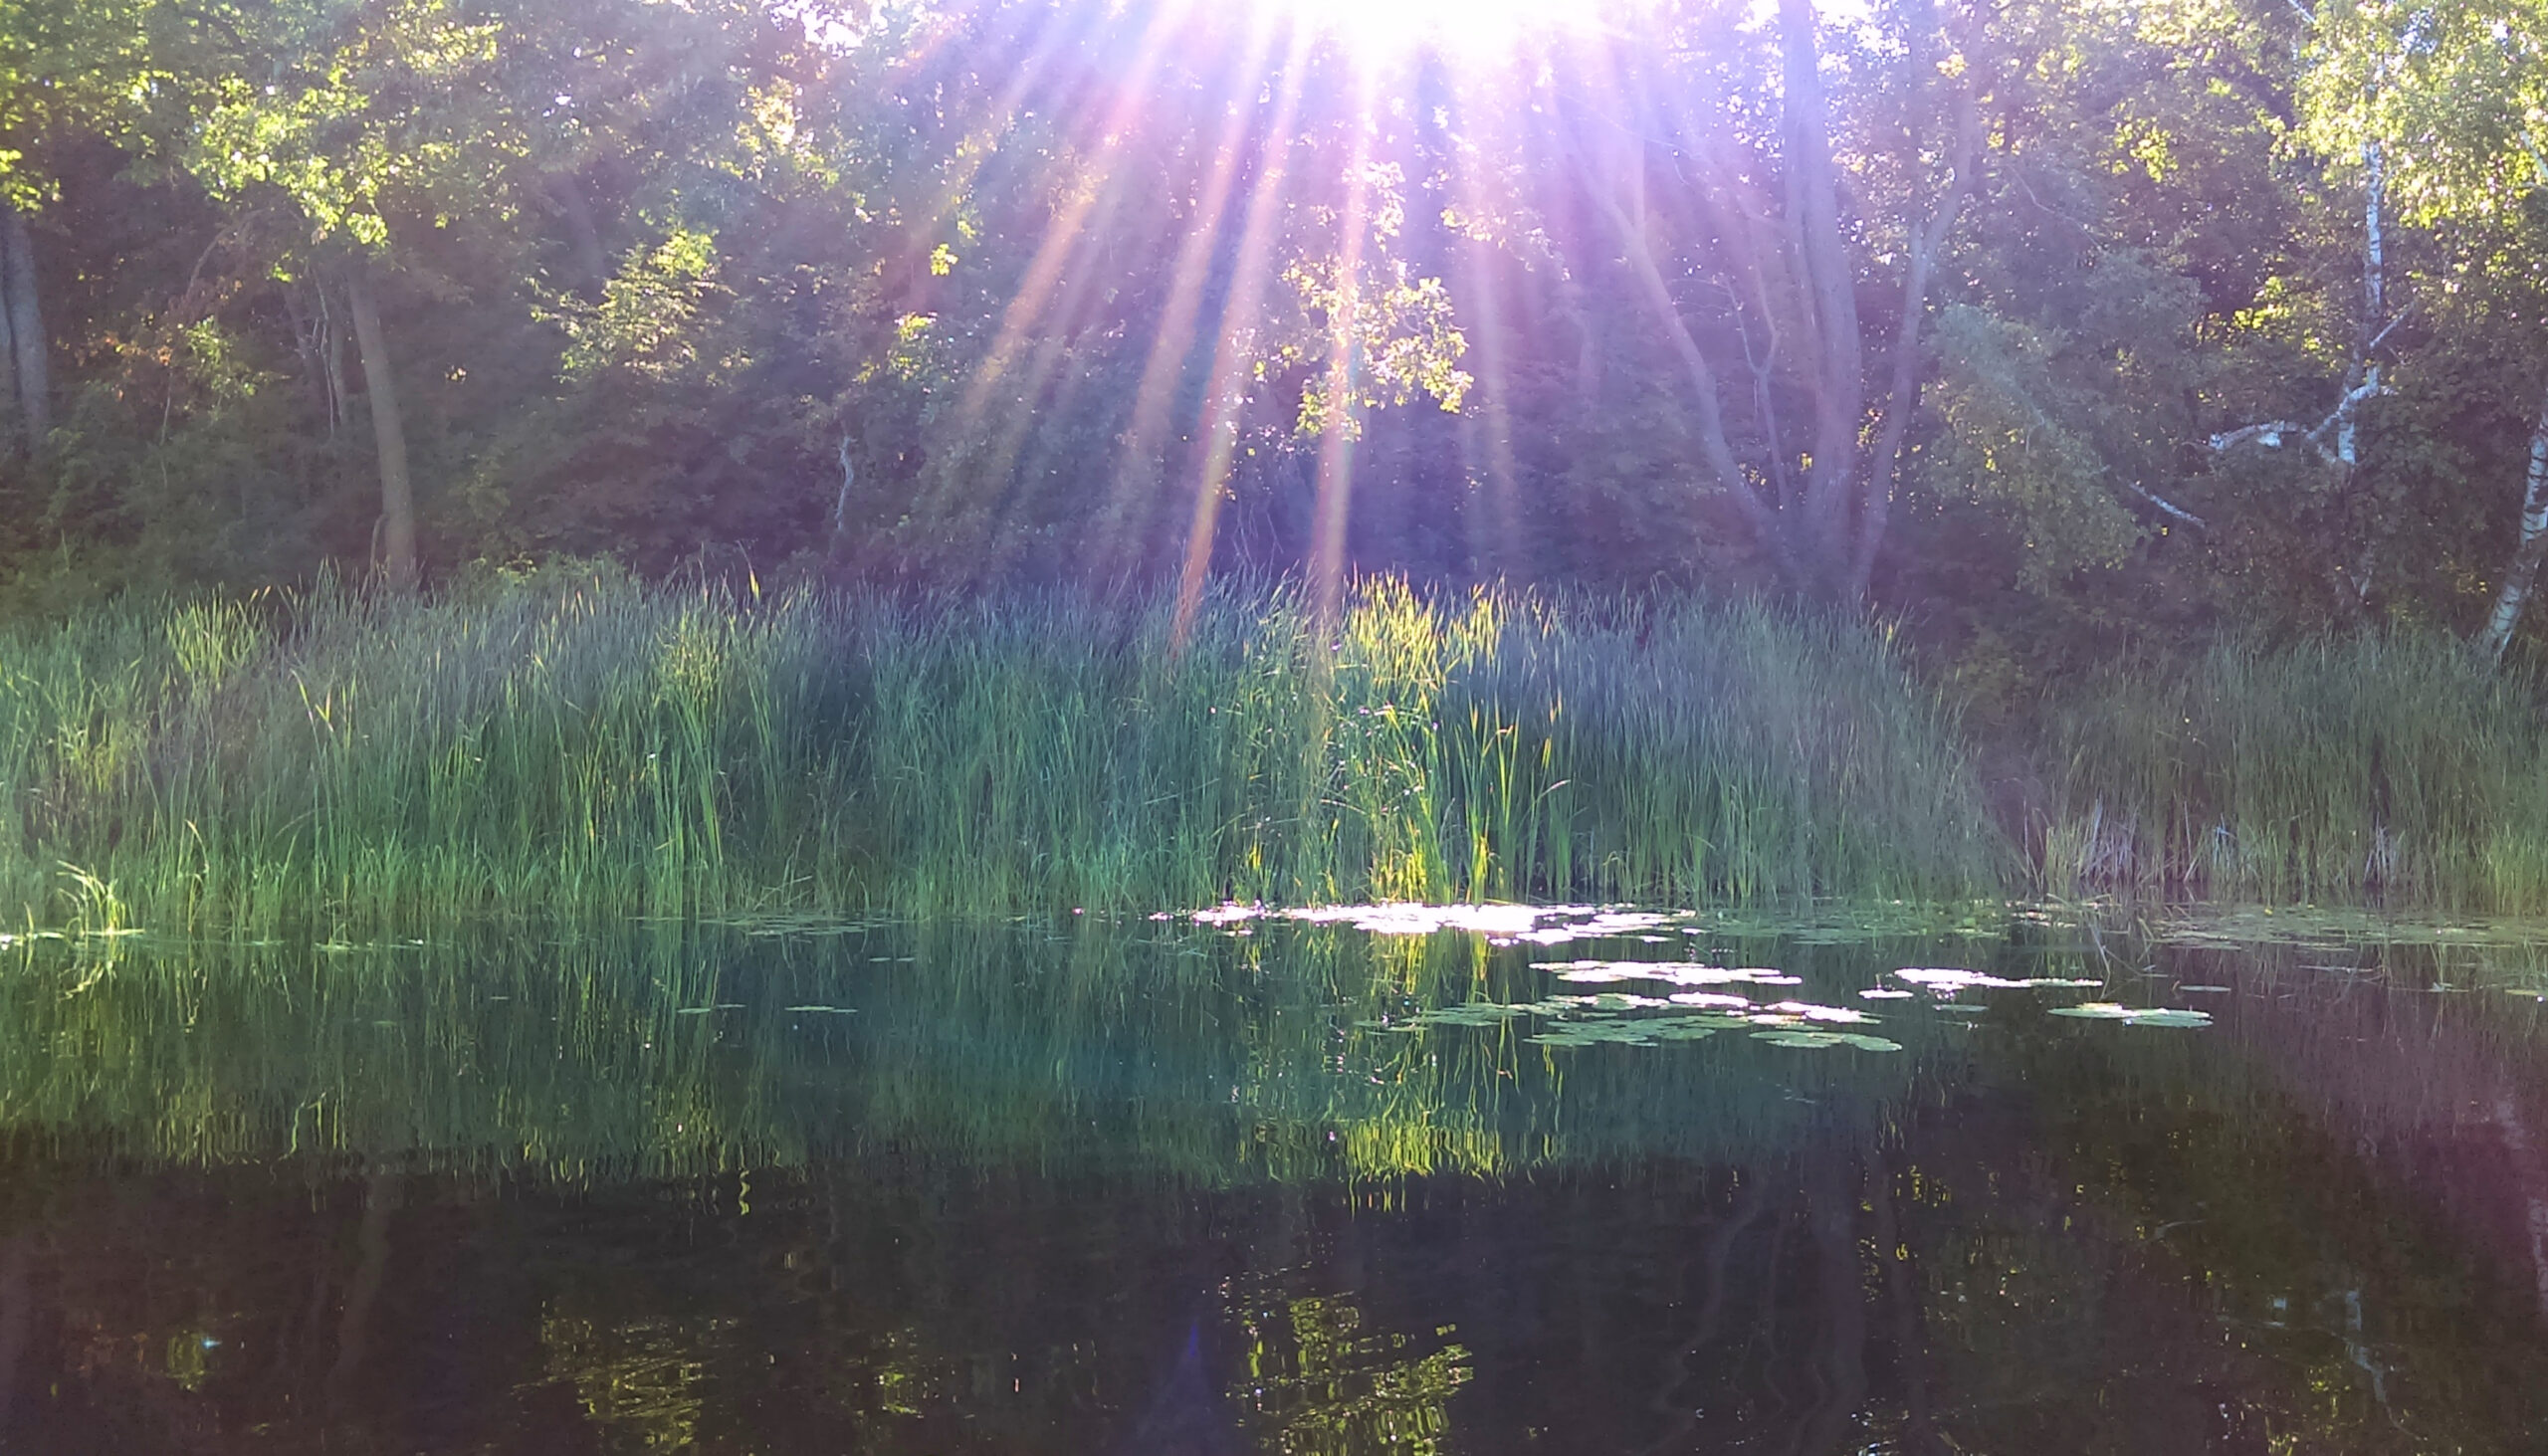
(1159, 1190)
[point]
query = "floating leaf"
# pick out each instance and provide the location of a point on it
(1841, 1015)
(1679, 973)
(1946, 982)
(1606, 1001)
(1816, 1039)
(2135, 1015)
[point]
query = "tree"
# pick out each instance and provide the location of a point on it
(365, 112)
(2448, 103)
(1760, 216)
(66, 67)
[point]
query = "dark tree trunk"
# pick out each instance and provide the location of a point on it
(584, 234)
(17, 1314)
(1822, 533)
(396, 550)
(381, 1198)
(24, 303)
(1819, 513)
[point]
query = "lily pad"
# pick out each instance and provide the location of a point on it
(2135, 1015)
(1818, 1039)
(1947, 981)
(1673, 973)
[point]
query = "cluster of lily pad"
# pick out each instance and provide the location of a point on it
(1704, 1005)
(1625, 1019)
(1501, 924)
(1944, 983)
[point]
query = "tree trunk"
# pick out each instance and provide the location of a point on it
(2524, 569)
(1821, 536)
(1840, 363)
(8, 354)
(381, 1198)
(584, 234)
(1927, 244)
(25, 305)
(1764, 523)
(396, 550)
(17, 1314)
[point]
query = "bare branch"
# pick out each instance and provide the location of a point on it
(2382, 336)
(2269, 434)
(2168, 505)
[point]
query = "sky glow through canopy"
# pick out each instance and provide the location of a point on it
(1381, 29)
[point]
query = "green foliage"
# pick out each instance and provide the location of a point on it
(2455, 93)
(594, 747)
(2009, 435)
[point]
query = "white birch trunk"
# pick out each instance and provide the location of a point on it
(2524, 571)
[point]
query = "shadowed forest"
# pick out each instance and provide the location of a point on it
(2053, 331)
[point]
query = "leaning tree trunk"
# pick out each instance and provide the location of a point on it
(24, 304)
(1821, 536)
(396, 553)
(1830, 290)
(2524, 571)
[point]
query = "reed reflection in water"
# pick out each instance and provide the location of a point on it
(1277, 1186)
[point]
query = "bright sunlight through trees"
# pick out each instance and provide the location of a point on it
(1381, 30)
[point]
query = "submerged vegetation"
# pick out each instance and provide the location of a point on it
(583, 745)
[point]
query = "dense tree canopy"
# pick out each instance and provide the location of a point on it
(2047, 327)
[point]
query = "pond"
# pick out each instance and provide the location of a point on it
(1480, 1182)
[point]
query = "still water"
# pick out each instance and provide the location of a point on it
(1574, 1182)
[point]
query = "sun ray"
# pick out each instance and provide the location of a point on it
(1067, 230)
(1333, 508)
(1180, 325)
(1496, 539)
(1231, 358)
(967, 161)
(1384, 31)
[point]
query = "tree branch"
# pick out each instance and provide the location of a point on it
(2169, 507)
(1885, 466)
(1713, 444)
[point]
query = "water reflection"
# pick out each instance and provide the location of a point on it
(1274, 1185)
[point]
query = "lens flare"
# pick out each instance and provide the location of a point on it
(1384, 28)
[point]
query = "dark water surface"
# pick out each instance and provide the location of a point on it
(1167, 1189)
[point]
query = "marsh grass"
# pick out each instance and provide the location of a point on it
(2401, 766)
(590, 746)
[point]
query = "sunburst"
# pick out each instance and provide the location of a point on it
(1387, 28)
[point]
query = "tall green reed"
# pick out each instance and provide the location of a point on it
(593, 745)
(2397, 764)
